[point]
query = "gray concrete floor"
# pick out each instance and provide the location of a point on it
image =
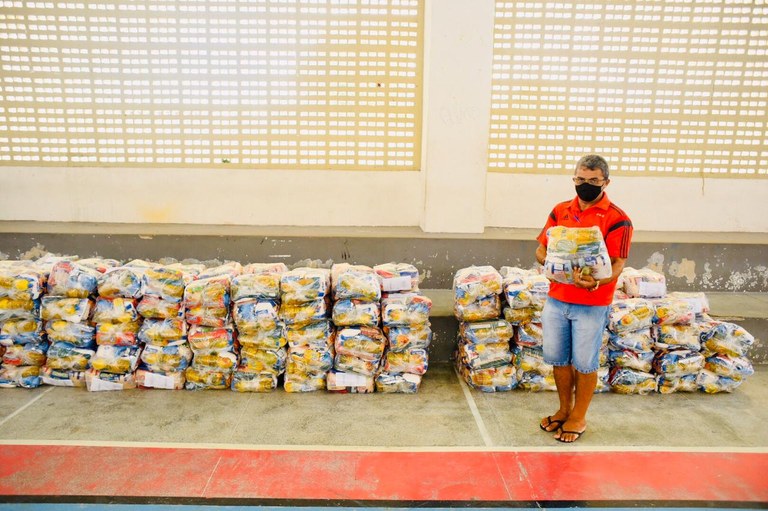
(439, 416)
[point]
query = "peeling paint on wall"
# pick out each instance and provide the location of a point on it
(684, 269)
(656, 262)
(34, 253)
(739, 280)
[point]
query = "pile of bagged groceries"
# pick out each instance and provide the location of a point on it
(655, 341)
(105, 325)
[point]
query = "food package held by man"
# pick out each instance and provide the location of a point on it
(405, 309)
(81, 335)
(99, 381)
(367, 343)
(21, 331)
(296, 381)
(483, 356)
(678, 362)
(355, 312)
(72, 280)
(116, 359)
(204, 378)
(730, 366)
(404, 383)
(63, 356)
(305, 359)
(27, 377)
(643, 283)
(406, 337)
(319, 335)
(73, 310)
(245, 381)
(628, 381)
(355, 282)
(668, 384)
(155, 380)
(21, 282)
(494, 331)
(166, 359)
(256, 360)
(530, 335)
(305, 312)
(163, 332)
(154, 307)
(677, 336)
(475, 284)
(207, 301)
(252, 315)
(62, 378)
(726, 338)
(576, 247)
(349, 383)
(352, 364)
(485, 308)
(524, 288)
(397, 277)
(672, 311)
(26, 354)
(712, 383)
(118, 334)
(303, 285)
(165, 283)
(414, 361)
(525, 315)
(115, 310)
(122, 282)
(493, 379)
(638, 340)
(637, 360)
(272, 339)
(697, 300)
(629, 315)
(258, 280)
(11, 308)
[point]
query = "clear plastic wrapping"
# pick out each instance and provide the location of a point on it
(405, 309)
(405, 383)
(355, 283)
(405, 337)
(63, 356)
(628, 381)
(21, 331)
(305, 312)
(73, 310)
(726, 338)
(166, 359)
(115, 310)
(397, 277)
(642, 283)
(116, 359)
(483, 309)
(305, 285)
(476, 283)
(672, 311)
(366, 343)
(163, 332)
(355, 312)
(530, 335)
(252, 315)
(72, 280)
(206, 301)
(494, 331)
(349, 383)
(246, 381)
(493, 379)
(484, 356)
(629, 315)
(413, 361)
(121, 282)
(571, 247)
(678, 362)
(79, 334)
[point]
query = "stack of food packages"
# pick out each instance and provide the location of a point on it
(304, 309)
(484, 358)
(212, 335)
(166, 353)
(22, 345)
(405, 316)
(260, 331)
(359, 342)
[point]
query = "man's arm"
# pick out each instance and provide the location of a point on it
(541, 253)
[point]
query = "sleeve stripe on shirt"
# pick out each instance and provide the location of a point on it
(617, 225)
(552, 215)
(625, 240)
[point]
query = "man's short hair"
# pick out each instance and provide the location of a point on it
(592, 162)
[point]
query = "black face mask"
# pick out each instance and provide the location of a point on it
(588, 192)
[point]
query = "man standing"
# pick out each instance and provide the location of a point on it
(575, 315)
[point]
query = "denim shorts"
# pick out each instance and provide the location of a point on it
(573, 334)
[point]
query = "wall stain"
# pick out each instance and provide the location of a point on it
(684, 269)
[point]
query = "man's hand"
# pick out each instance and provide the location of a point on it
(583, 279)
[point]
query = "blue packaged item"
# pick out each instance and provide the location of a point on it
(122, 282)
(252, 315)
(21, 331)
(63, 356)
(72, 280)
(355, 312)
(27, 377)
(79, 334)
(638, 360)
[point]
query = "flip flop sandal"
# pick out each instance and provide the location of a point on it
(559, 423)
(563, 431)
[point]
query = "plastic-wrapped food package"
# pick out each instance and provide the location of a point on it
(483, 356)
(256, 360)
(229, 269)
(154, 307)
(118, 334)
(476, 284)
(414, 361)
(638, 340)
(215, 360)
(165, 283)
(253, 382)
(530, 335)
(253, 315)
(355, 283)
(524, 288)
(404, 337)
(405, 309)
(366, 343)
(78, 334)
(26, 354)
(115, 310)
(202, 378)
(485, 308)
(116, 359)
(397, 277)
(99, 264)
(305, 285)
(99, 381)
(21, 331)
(304, 313)
(532, 361)
(637, 360)
(697, 300)
(162, 332)
(46, 263)
(494, 331)
(351, 364)
(492, 379)
(668, 384)
(628, 381)
(678, 362)
(629, 315)
(404, 383)
(730, 366)
(672, 311)
(20, 282)
(121, 282)
(318, 335)
(63, 356)
(272, 339)
(677, 336)
(303, 382)
(309, 360)
(349, 383)
(524, 315)
(602, 380)
(535, 382)
(11, 308)
(62, 378)
(166, 359)
(73, 310)
(72, 280)
(582, 247)
(643, 283)
(258, 280)
(712, 383)
(726, 338)
(207, 301)
(355, 312)
(155, 380)
(27, 377)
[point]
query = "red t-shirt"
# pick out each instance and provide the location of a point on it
(617, 233)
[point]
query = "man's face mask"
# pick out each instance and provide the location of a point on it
(588, 192)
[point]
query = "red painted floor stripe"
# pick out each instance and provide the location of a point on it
(344, 475)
